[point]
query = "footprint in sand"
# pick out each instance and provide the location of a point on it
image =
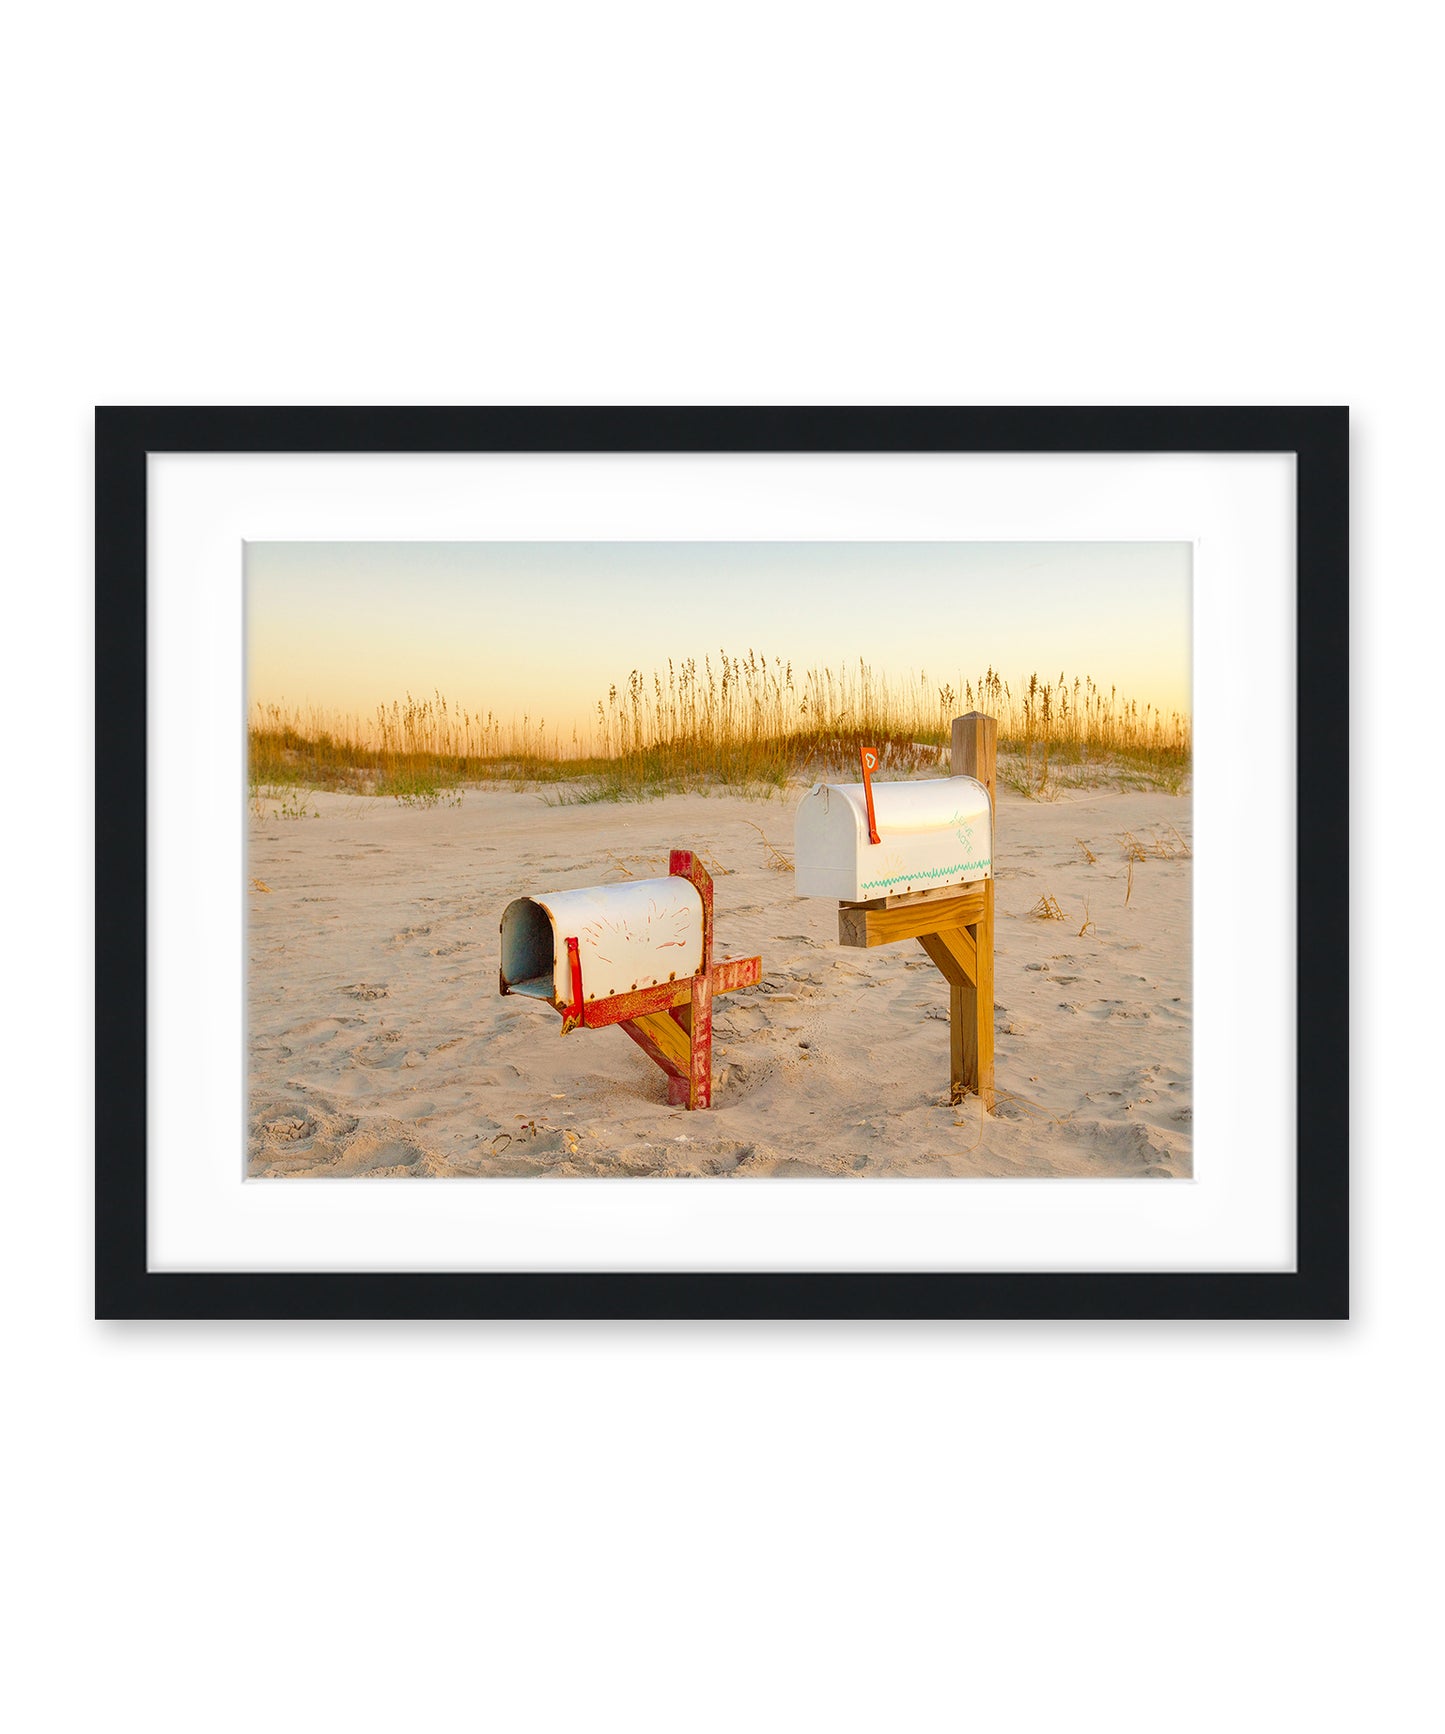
(380, 1051)
(1122, 1147)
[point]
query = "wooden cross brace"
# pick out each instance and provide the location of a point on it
(672, 1022)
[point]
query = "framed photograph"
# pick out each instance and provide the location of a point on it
(744, 863)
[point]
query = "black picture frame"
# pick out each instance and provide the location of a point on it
(124, 1285)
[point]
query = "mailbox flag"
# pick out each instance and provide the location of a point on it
(870, 764)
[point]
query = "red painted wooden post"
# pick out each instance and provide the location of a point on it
(696, 1016)
(695, 1091)
(699, 1093)
(684, 864)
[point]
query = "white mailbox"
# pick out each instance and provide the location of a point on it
(629, 936)
(637, 956)
(931, 834)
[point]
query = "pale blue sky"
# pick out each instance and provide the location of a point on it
(544, 628)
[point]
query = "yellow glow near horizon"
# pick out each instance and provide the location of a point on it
(543, 630)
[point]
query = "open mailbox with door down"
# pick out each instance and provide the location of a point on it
(638, 955)
(914, 860)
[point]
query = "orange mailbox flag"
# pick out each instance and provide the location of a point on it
(870, 764)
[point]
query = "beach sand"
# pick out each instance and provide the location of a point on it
(380, 1046)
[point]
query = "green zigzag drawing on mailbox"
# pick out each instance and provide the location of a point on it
(915, 874)
(963, 830)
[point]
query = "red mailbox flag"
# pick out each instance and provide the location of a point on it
(870, 764)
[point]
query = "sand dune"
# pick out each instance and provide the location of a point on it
(379, 1044)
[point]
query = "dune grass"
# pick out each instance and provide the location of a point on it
(742, 724)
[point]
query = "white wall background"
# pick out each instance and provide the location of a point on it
(367, 1527)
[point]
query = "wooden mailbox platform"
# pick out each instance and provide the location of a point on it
(954, 926)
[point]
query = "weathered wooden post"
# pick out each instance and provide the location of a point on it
(687, 1062)
(637, 955)
(970, 1021)
(914, 860)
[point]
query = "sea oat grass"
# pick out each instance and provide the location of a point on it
(739, 723)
